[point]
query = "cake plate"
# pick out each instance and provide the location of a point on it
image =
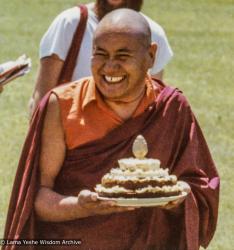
(143, 202)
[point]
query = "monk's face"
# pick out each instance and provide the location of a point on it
(119, 65)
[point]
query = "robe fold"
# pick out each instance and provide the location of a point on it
(173, 136)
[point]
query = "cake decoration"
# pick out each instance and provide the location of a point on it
(138, 177)
(139, 147)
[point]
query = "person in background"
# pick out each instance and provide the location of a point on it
(56, 42)
(81, 130)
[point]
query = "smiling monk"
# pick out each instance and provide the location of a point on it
(80, 131)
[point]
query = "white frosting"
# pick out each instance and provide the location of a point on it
(139, 172)
(109, 177)
(115, 189)
(118, 189)
(144, 164)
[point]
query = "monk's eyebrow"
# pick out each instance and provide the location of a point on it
(99, 49)
(119, 51)
(124, 50)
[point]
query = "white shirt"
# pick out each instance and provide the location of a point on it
(57, 40)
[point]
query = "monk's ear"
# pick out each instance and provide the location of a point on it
(152, 53)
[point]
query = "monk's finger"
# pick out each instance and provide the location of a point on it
(93, 196)
(86, 196)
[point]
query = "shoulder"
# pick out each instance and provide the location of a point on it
(52, 115)
(72, 15)
(156, 29)
(65, 91)
(69, 98)
(68, 16)
(178, 96)
(70, 93)
(58, 37)
(172, 98)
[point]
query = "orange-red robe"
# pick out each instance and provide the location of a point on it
(173, 136)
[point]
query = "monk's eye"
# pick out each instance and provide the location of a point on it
(123, 56)
(100, 53)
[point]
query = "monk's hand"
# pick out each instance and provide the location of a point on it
(89, 203)
(174, 204)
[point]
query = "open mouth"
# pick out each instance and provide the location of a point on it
(113, 79)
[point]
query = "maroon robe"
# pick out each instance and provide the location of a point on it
(173, 136)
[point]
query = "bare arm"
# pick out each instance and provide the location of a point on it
(52, 206)
(159, 75)
(48, 75)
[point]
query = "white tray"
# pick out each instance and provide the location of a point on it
(143, 202)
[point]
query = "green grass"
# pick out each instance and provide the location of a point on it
(202, 37)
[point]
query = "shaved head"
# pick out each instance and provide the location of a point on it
(122, 55)
(125, 21)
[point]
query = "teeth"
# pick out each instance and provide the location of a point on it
(113, 78)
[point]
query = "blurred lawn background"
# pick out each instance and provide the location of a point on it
(202, 36)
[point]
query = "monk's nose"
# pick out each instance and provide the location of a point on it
(111, 66)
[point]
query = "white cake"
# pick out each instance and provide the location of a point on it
(138, 178)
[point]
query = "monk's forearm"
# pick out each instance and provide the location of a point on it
(54, 207)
